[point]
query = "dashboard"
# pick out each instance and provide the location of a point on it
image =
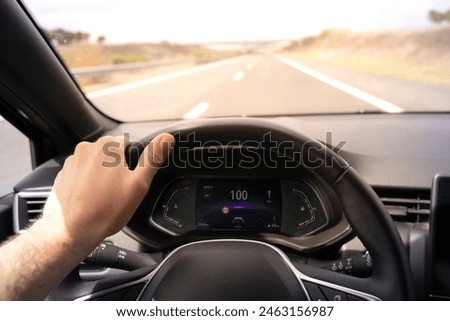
(213, 201)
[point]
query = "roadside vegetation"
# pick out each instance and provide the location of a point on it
(82, 54)
(77, 51)
(419, 55)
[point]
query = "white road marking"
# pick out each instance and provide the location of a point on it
(157, 79)
(355, 92)
(238, 76)
(197, 111)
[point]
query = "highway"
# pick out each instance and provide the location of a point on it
(265, 85)
(249, 85)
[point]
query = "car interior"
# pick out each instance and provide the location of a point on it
(331, 206)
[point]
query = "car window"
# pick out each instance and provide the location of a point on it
(172, 59)
(15, 158)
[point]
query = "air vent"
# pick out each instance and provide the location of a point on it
(28, 208)
(406, 205)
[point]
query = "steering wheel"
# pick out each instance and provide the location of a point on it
(234, 269)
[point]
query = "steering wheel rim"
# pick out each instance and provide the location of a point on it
(391, 278)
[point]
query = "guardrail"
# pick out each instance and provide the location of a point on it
(91, 71)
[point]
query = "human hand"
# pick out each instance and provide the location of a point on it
(93, 197)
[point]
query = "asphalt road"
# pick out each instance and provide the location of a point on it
(246, 85)
(265, 85)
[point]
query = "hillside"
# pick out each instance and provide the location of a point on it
(420, 55)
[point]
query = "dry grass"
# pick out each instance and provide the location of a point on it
(90, 55)
(83, 55)
(413, 55)
(101, 81)
(174, 57)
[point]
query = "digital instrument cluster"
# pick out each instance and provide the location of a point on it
(291, 207)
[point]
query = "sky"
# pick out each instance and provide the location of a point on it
(198, 21)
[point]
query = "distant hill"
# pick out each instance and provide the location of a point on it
(422, 55)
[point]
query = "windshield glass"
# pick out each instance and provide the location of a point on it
(142, 60)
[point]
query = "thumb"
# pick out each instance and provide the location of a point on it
(154, 156)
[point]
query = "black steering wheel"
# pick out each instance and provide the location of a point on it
(233, 269)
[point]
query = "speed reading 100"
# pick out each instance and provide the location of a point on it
(239, 194)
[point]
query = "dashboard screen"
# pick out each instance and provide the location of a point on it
(209, 204)
(238, 204)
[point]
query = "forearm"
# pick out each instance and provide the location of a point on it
(35, 262)
(89, 201)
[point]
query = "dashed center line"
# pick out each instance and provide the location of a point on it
(197, 111)
(238, 76)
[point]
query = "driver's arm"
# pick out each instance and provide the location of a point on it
(93, 197)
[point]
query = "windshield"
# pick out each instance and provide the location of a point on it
(140, 60)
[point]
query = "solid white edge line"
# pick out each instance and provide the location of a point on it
(238, 76)
(157, 79)
(197, 111)
(355, 92)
